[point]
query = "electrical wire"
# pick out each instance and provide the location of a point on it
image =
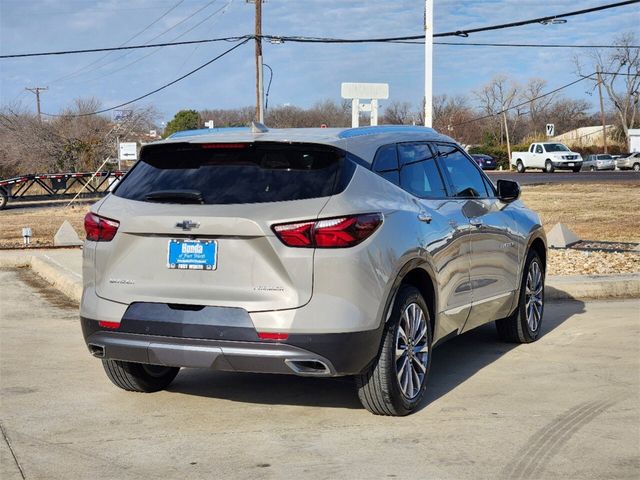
(136, 35)
(166, 85)
(304, 39)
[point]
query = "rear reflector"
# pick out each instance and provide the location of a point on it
(339, 232)
(272, 336)
(100, 229)
(112, 325)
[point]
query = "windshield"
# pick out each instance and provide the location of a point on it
(555, 147)
(605, 157)
(232, 173)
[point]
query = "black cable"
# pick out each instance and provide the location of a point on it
(303, 39)
(157, 89)
(532, 45)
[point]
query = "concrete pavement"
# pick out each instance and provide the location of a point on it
(567, 406)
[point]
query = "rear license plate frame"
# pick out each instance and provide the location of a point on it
(203, 254)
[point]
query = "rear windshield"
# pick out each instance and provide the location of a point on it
(232, 173)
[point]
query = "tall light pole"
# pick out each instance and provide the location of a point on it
(428, 63)
(259, 86)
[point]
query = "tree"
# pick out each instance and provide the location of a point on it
(496, 97)
(538, 107)
(398, 113)
(621, 78)
(183, 120)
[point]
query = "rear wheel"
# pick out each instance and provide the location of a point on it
(520, 166)
(396, 382)
(523, 326)
(139, 377)
(636, 167)
(548, 167)
(4, 198)
(592, 168)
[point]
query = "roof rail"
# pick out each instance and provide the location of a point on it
(382, 129)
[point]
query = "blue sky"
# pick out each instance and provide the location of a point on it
(303, 74)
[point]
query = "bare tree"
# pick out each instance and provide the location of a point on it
(398, 113)
(495, 98)
(538, 107)
(620, 78)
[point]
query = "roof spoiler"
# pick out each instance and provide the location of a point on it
(257, 127)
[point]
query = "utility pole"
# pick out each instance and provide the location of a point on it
(506, 130)
(428, 63)
(604, 126)
(36, 91)
(259, 86)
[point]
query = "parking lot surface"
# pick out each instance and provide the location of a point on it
(567, 406)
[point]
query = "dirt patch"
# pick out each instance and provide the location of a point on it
(605, 212)
(44, 223)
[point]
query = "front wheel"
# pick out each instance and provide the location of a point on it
(4, 198)
(636, 167)
(592, 169)
(139, 377)
(548, 167)
(523, 326)
(396, 382)
(576, 169)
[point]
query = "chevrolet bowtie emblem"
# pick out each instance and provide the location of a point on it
(187, 225)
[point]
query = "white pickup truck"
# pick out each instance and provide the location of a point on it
(548, 157)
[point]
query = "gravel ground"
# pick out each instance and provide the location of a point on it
(575, 262)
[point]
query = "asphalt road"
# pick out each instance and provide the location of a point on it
(564, 407)
(537, 177)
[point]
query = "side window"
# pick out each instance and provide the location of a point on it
(385, 163)
(419, 173)
(539, 149)
(466, 179)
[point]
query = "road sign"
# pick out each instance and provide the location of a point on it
(551, 129)
(128, 151)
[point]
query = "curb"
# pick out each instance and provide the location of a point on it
(593, 287)
(579, 287)
(60, 277)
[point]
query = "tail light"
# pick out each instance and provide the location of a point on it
(100, 229)
(339, 232)
(272, 336)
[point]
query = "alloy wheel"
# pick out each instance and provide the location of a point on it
(412, 350)
(534, 296)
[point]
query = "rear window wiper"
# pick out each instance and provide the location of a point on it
(175, 196)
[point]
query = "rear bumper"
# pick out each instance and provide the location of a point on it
(207, 340)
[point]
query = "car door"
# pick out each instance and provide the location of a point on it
(538, 157)
(493, 264)
(444, 234)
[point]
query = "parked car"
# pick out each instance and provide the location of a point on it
(630, 162)
(548, 157)
(314, 252)
(599, 162)
(486, 162)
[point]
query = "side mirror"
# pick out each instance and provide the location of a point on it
(508, 190)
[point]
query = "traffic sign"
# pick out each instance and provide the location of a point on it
(551, 129)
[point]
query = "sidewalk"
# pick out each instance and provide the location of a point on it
(63, 269)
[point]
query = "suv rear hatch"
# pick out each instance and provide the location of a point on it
(214, 204)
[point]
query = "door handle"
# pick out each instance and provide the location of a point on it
(424, 217)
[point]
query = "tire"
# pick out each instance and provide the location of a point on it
(592, 169)
(548, 167)
(520, 327)
(379, 387)
(576, 169)
(4, 199)
(520, 167)
(139, 377)
(636, 167)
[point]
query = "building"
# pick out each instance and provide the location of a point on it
(584, 136)
(634, 139)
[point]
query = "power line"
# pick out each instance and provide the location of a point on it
(305, 39)
(157, 89)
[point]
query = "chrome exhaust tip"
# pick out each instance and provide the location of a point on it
(96, 350)
(311, 367)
